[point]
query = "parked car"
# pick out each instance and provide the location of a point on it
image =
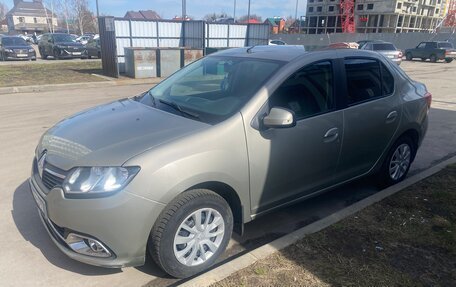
(276, 42)
(94, 48)
(343, 45)
(387, 49)
(228, 138)
(59, 46)
(16, 48)
(84, 39)
(433, 51)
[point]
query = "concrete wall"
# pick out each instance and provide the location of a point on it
(401, 40)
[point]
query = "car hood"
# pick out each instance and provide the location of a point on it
(111, 134)
(70, 44)
(18, 47)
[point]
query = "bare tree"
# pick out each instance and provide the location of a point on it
(3, 10)
(214, 16)
(83, 16)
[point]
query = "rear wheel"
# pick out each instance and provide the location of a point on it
(191, 233)
(409, 57)
(433, 58)
(43, 54)
(398, 161)
(99, 55)
(448, 60)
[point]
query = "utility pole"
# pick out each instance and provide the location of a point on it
(184, 9)
(98, 10)
(234, 11)
(248, 14)
(296, 10)
(248, 25)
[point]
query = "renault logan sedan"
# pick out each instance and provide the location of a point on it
(221, 142)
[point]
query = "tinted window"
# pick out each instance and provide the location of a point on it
(431, 45)
(384, 47)
(387, 81)
(13, 41)
(421, 45)
(363, 80)
(308, 92)
(445, 45)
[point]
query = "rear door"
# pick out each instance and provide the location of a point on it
(371, 116)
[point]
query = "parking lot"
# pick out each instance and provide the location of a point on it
(29, 257)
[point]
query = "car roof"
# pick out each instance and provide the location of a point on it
(290, 53)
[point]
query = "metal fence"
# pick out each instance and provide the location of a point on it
(173, 34)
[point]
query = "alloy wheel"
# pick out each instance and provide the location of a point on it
(400, 161)
(199, 237)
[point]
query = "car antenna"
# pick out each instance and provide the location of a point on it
(249, 50)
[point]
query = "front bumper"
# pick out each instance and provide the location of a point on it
(72, 53)
(20, 56)
(121, 222)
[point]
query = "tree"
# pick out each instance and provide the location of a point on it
(252, 16)
(85, 18)
(3, 10)
(214, 16)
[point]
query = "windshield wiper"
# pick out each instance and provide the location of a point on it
(176, 106)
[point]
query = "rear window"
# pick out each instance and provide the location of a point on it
(445, 45)
(384, 47)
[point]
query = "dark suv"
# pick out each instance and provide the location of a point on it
(59, 46)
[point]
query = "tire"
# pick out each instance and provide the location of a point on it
(423, 59)
(99, 55)
(42, 54)
(2, 57)
(433, 58)
(56, 55)
(409, 56)
(448, 60)
(180, 213)
(386, 175)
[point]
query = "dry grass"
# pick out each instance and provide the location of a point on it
(60, 72)
(408, 239)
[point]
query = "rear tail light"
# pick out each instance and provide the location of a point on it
(428, 97)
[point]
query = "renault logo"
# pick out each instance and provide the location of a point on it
(41, 162)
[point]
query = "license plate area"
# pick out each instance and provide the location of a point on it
(77, 53)
(22, 55)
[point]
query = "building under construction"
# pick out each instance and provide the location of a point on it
(372, 16)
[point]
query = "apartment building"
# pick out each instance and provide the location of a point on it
(374, 16)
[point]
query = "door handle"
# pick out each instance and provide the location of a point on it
(391, 117)
(331, 135)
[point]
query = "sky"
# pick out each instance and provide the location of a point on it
(197, 8)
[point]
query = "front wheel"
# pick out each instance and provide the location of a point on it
(191, 233)
(398, 161)
(409, 57)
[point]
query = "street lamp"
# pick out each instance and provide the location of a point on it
(98, 10)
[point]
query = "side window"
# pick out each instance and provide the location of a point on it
(363, 80)
(421, 45)
(308, 92)
(387, 81)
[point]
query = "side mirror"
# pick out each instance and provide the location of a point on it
(279, 118)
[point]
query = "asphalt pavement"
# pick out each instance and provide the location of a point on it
(29, 257)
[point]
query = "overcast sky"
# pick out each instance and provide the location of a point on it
(197, 8)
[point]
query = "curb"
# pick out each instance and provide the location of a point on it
(74, 86)
(225, 270)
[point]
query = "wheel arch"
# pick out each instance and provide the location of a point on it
(414, 135)
(231, 197)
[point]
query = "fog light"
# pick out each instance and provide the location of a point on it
(87, 246)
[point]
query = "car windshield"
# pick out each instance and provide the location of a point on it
(445, 45)
(13, 41)
(63, 38)
(384, 47)
(213, 88)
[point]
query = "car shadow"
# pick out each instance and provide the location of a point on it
(26, 218)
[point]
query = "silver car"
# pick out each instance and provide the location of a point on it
(226, 139)
(387, 49)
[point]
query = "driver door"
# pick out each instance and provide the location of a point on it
(289, 163)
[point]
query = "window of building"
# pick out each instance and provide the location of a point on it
(414, 9)
(399, 5)
(311, 9)
(370, 6)
(308, 92)
(311, 1)
(360, 7)
(363, 80)
(35, 20)
(320, 0)
(21, 19)
(319, 9)
(331, 8)
(437, 11)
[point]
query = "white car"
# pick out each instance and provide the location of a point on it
(276, 42)
(83, 39)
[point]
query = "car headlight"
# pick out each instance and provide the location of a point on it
(8, 50)
(31, 50)
(98, 180)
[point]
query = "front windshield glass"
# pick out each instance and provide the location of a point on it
(213, 88)
(63, 38)
(13, 41)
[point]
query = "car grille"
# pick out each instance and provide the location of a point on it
(51, 180)
(19, 51)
